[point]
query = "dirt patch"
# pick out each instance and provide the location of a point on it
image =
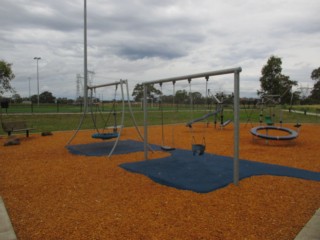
(52, 194)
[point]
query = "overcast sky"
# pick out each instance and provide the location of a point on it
(142, 40)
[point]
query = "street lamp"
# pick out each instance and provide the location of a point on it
(29, 78)
(85, 62)
(37, 58)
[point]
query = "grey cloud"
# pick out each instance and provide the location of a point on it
(147, 38)
(138, 51)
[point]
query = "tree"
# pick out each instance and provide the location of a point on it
(6, 75)
(16, 98)
(273, 82)
(315, 92)
(65, 100)
(152, 92)
(34, 98)
(46, 97)
(182, 96)
(196, 97)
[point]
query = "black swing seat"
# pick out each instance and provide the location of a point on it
(105, 136)
(198, 149)
(297, 125)
(167, 148)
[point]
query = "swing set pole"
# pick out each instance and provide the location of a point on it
(236, 116)
(145, 121)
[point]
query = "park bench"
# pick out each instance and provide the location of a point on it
(20, 126)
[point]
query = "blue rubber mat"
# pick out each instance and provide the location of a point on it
(104, 148)
(183, 170)
(209, 172)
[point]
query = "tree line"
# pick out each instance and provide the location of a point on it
(272, 82)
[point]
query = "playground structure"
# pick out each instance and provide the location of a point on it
(292, 134)
(116, 129)
(271, 101)
(218, 111)
(199, 148)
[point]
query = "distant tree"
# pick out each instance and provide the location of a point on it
(167, 98)
(273, 82)
(152, 92)
(182, 96)
(6, 75)
(16, 98)
(315, 92)
(34, 98)
(197, 97)
(79, 100)
(65, 101)
(46, 97)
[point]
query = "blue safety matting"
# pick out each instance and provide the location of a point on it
(182, 170)
(103, 148)
(209, 172)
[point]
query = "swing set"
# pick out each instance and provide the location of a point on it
(103, 133)
(198, 148)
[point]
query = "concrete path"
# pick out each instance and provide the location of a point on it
(302, 112)
(311, 231)
(6, 229)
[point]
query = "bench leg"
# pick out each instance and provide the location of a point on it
(27, 133)
(9, 133)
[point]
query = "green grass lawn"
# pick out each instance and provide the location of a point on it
(49, 120)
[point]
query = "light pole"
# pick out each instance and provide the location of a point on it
(29, 78)
(37, 58)
(85, 62)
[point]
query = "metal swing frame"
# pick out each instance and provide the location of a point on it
(102, 134)
(124, 99)
(236, 73)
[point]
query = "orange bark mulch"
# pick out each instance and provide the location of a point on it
(52, 194)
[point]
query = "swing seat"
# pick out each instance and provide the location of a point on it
(167, 148)
(198, 149)
(105, 136)
(268, 121)
(298, 125)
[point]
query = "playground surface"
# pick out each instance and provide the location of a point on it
(50, 193)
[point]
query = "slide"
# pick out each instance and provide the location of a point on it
(189, 124)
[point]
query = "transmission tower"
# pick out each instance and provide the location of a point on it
(79, 86)
(90, 77)
(305, 91)
(79, 83)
